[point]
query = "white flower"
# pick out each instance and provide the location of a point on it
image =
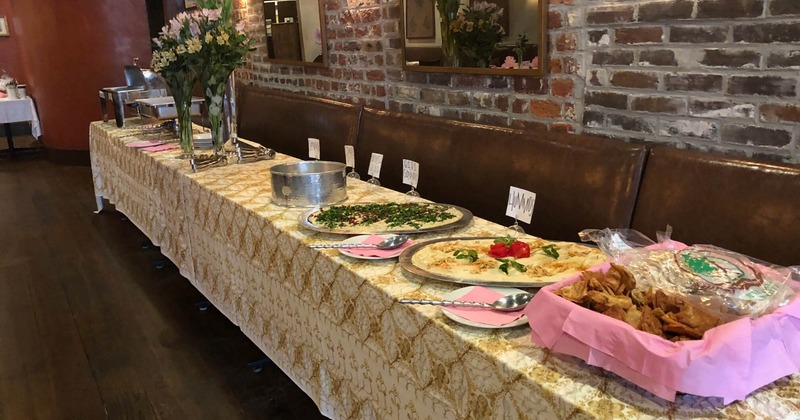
(194, 28)
(212, 14)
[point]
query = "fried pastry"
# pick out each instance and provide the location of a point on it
(576, 292)
(614, 294)
(601, 301)
(615, 312)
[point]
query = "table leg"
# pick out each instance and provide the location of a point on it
(99, 199)
(9, 139)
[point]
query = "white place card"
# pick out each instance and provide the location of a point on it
(375, 163)
(313, 148)
(520, 204)
(410, 172)
(350, 156)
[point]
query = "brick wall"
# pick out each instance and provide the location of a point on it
(705, 74)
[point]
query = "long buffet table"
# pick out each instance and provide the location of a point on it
(333, 323)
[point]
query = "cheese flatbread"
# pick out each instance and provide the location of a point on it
(540, 268)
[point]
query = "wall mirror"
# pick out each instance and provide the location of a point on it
(504, 37)
(295, 32)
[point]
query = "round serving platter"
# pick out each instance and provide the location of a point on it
(466, 217)
(406, 261)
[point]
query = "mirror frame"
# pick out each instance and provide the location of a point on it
(543, 52)
(323, 32)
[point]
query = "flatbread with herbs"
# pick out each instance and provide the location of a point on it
(384, 217)
(541, 267)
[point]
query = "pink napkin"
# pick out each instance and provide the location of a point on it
(372, 252)
(482, 315)
(143, 143)
(161, 148)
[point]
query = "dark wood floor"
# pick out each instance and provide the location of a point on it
(89, 328)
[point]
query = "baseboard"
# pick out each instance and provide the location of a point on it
(68, 157)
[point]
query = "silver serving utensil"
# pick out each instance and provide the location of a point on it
(203, 162)
(388, 243)
(508, 303)
(246, 153)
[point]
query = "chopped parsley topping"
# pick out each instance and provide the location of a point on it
(393, 214)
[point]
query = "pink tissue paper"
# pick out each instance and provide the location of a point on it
(381, 253)
(731, 361)
(161, 148)
(144, 143)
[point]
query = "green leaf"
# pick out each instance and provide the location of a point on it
(507, 264)
(464, 254)
(504, 266)
(519, 267)
(508, 240)
(551, 250)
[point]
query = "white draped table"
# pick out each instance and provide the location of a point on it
(19, 110)
(333, 323)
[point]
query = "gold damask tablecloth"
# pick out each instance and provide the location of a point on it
(333, 323)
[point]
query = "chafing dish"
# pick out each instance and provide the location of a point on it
(141, 84)
(163, 108)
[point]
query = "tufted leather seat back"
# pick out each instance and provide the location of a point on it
(284, 121)
(580, 181)
(742, 205)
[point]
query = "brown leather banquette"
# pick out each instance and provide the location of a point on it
(284, 121)
(580, 181)
(739, 204)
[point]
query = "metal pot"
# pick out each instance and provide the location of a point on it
(308, 184)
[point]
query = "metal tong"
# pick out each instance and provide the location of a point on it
(203, 162)
(246, 152)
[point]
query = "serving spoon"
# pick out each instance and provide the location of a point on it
(389, 243)
(508, 303)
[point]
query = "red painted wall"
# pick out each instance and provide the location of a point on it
(72, 49)
(10, 56)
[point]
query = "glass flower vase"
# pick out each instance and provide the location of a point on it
(218, 89)
(449, 46)
(180, 84)
(185, 130)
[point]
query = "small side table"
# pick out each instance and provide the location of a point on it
(18, 110)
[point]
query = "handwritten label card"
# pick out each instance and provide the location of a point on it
(313, 148)
(350, 156)
(410, 172)
(520, 204)
(375, 163)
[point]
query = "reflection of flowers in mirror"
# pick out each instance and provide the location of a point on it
(448, 10)
(317, 36)
(476, 31)
(511, 63)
